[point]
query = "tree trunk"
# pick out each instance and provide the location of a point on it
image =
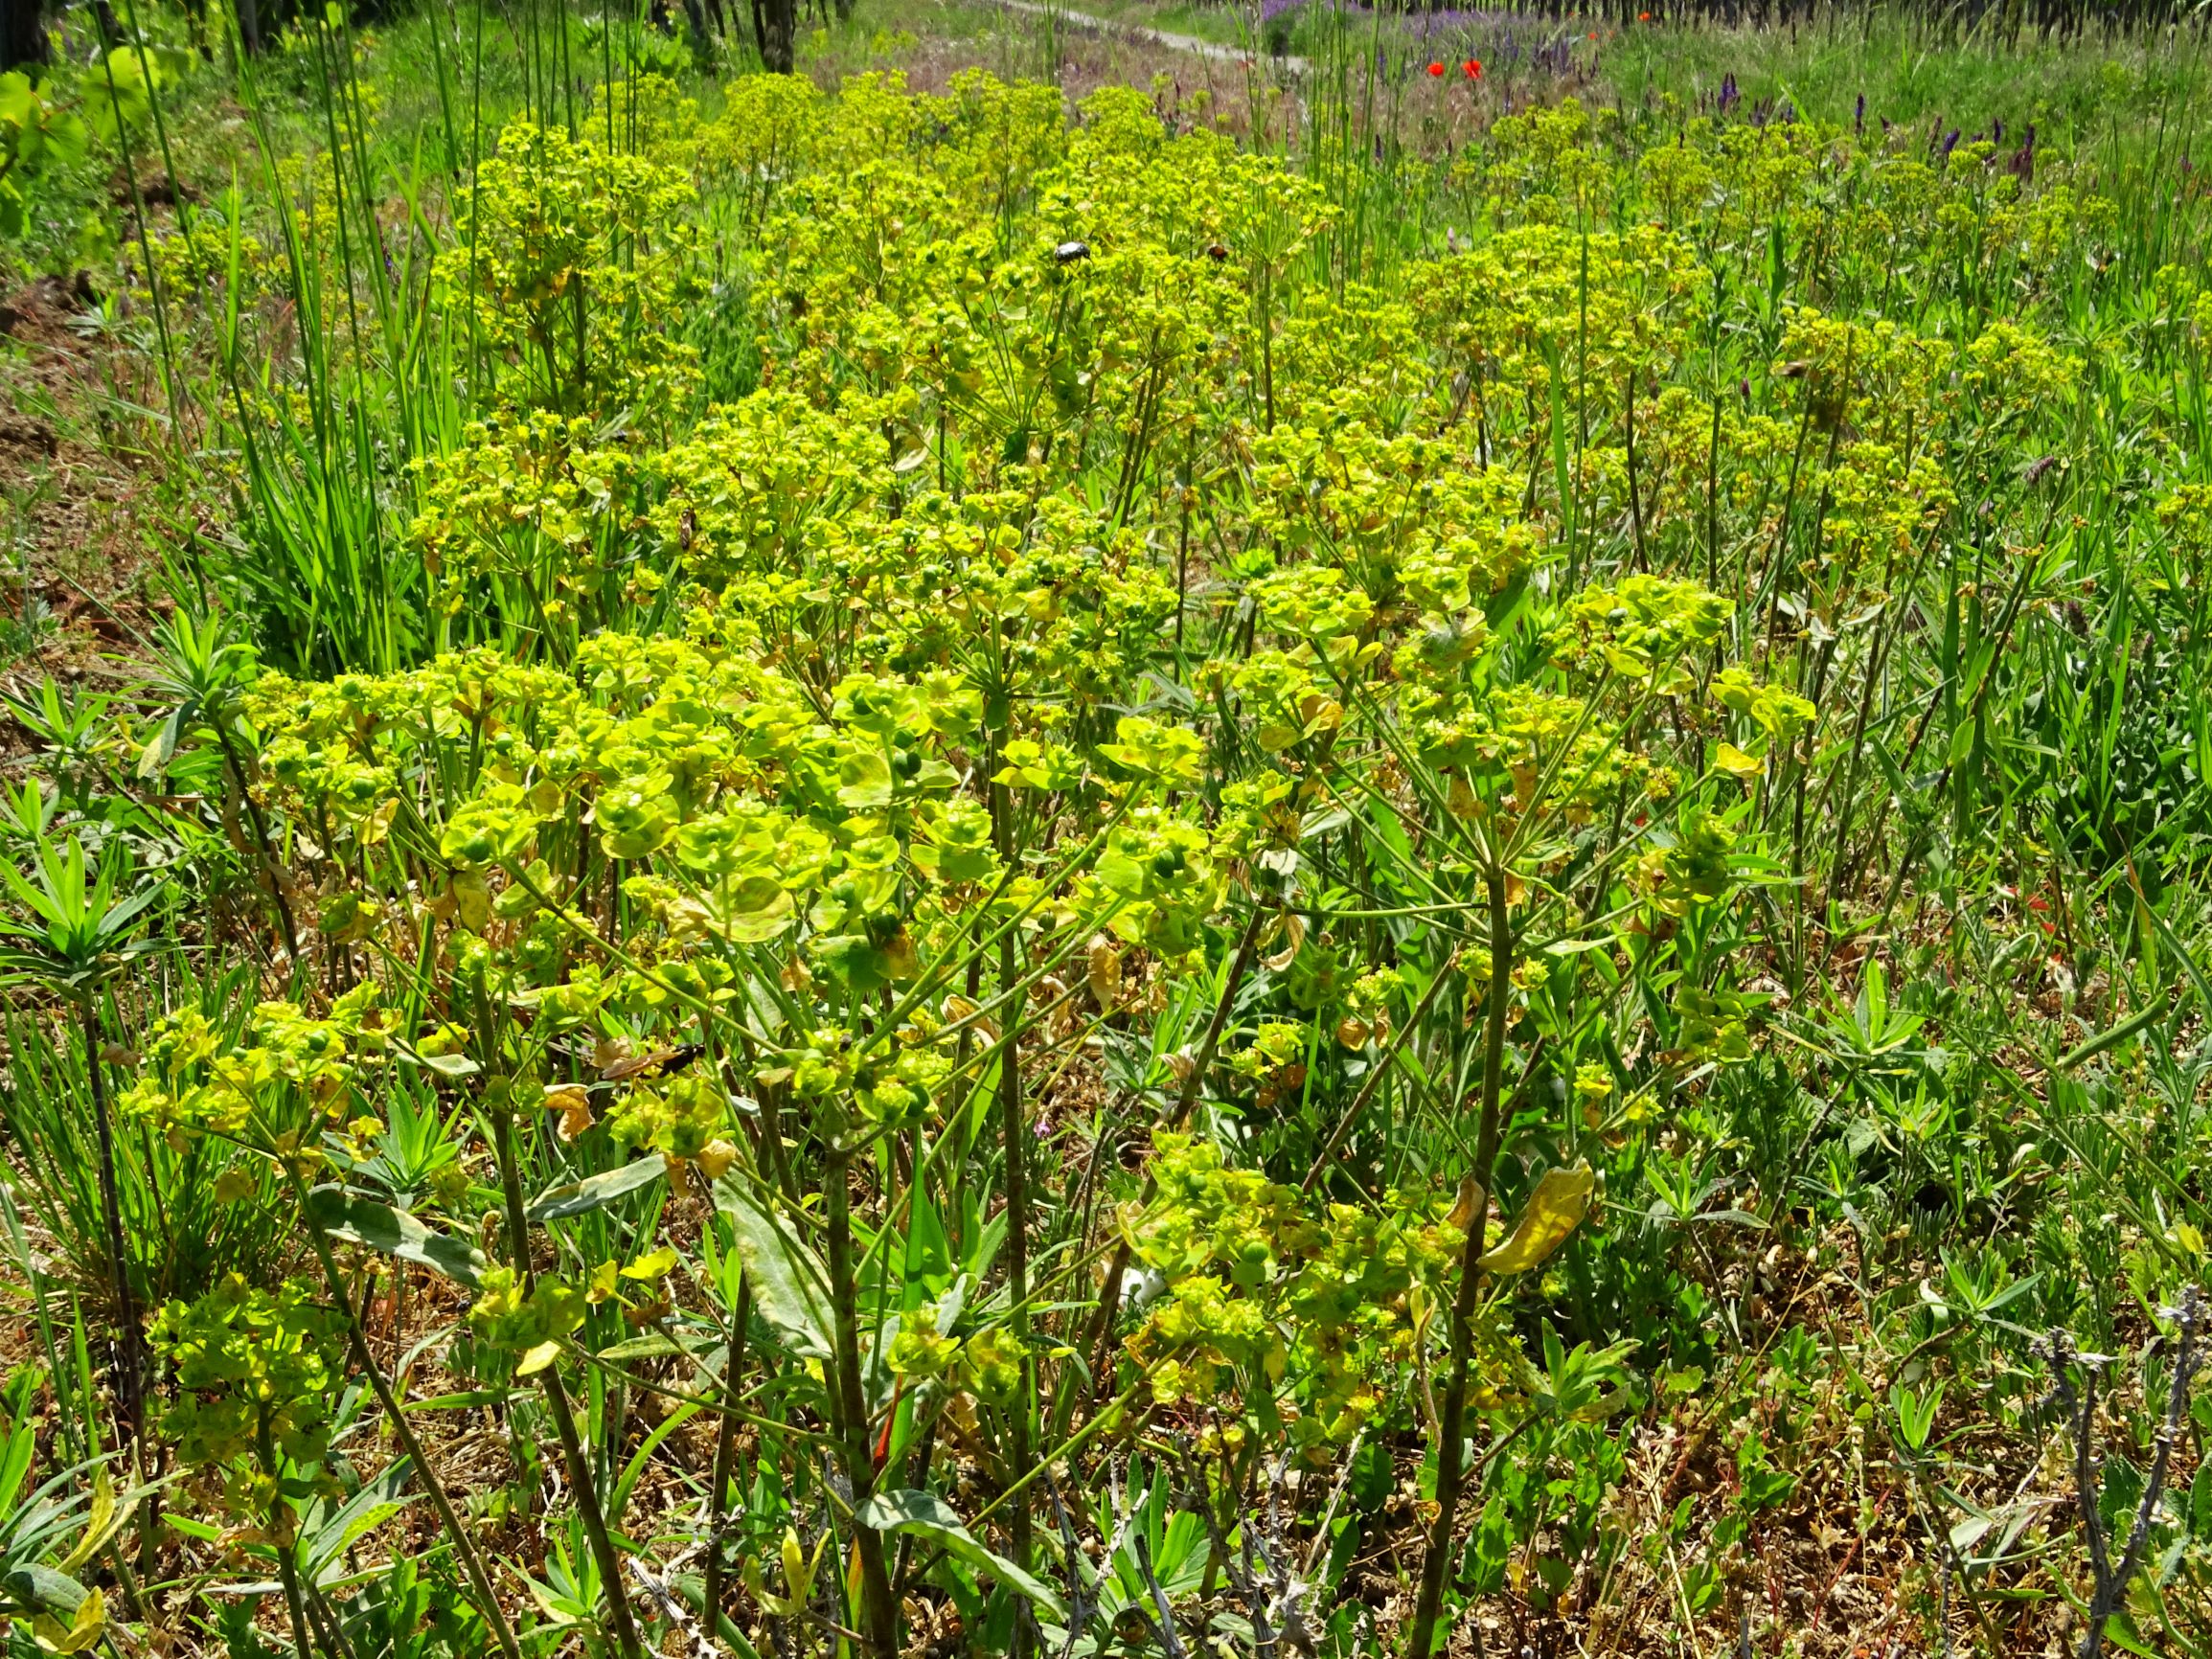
(774, 28)
(701, 42)
(22, 34)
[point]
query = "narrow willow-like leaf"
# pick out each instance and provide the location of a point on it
(787, 1277)
(929, 1516)
(596, 1192)
(394, 1231)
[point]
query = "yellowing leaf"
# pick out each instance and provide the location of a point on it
(84, 1629)
(601, 1285)
(653, 1265)
(537, 1359)
(1555, 1209)
(1103, 964)
(234, 1186)
(1462, 1215)
(1734, 761)
(101, 1523)
(573, 1106)
(154, 756)
(715, 1159)
(798, 1576)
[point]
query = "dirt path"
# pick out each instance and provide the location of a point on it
(78, 496)
(1193, 44)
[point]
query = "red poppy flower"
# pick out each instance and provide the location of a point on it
(1643, 17)
(1473, 68)
(1436, 69)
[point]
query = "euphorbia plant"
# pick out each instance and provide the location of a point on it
(255, 1372)
(289, 1092)
(1533, 787)
(1118, 721)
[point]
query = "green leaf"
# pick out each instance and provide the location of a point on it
(788, 1278)
(2121, 1632)
(596, 1192)
(1961, 743)
(852, 958)
(1734, 1217)
(358, 1220)
(22, 1444)
(656, 1345)
(759, 910)
(161, 748)
(454, 1066)
(43, 1589)
(929, 1516)
(66, 139)
(377, 1502)
(1492, 1543)
(467, 1399)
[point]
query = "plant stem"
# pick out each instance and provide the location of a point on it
(580, 1479)
(472, 1563)
(1014, 1131)
(280, 1537)
(725, 1453)
(129, 1366)
(268, 857)
(1186, 1103)
(879, 1608)
(1450, 1469)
